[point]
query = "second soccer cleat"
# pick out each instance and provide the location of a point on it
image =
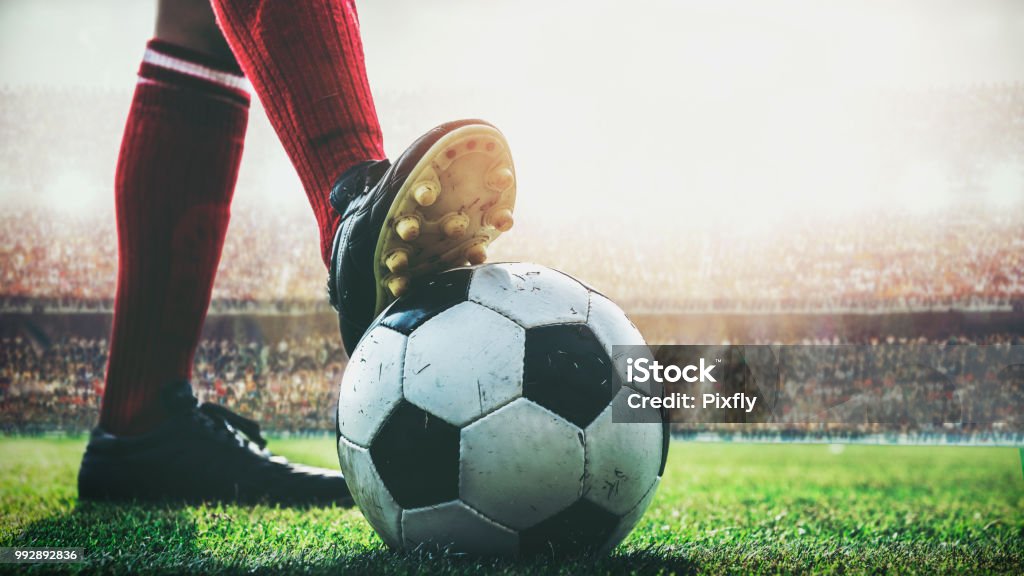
(440, 204)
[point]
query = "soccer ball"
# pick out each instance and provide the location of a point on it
(475, 416)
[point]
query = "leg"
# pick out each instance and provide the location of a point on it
(175, 180)
(381, 225)
(305, 60)
(191, 24)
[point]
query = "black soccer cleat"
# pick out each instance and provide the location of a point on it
(203, 453)
(437, 207)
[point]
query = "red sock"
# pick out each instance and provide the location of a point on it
(175, 179)
(305, 61)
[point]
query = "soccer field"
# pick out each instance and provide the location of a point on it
(721, 508)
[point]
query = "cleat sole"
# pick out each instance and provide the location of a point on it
(455, 201)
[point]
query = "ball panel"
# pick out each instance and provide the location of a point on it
(611, 325)
(613, 329)
(521, 464)
(369, 493)
(622, 458)
(630, 519)
(371, 386)
(454, 527)
(567, 371)
(428, 297)
(529, 294)
(464, 362)
(579, 528)
(666, 437)
(417, 457)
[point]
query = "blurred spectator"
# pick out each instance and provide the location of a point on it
(288, 386)
(54, 259)
(878, 263)
(292, 385)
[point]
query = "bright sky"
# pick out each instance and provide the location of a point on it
(675, 105)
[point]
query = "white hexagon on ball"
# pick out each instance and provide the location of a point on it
(368, 490)
(611, 325)
(620, 339)
(630, 519)
(371, 386)
(454, 527)
(622, 458)
(520, 464)
(464, 362)
(529, 294)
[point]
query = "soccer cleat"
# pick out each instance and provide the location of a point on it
(203, 453)
(408, 228)
(397, 261)
(476, 254)
(426, 193)
(397, 285)
(455, 225)
(500, 218)
(440, 204)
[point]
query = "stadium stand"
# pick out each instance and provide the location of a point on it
(934, 276)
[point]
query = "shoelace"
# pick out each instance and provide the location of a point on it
(236, 422)
(357, 181)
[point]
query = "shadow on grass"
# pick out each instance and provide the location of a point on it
(383, 561)
(131, 539)
(117, 538)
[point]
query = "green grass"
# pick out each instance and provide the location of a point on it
(721, 509)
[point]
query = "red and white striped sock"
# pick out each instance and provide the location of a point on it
(175, 179)
(305, 60)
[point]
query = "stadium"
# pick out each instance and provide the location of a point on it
(877, 213)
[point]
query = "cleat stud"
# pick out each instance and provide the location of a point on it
(501, 219)
(500, 179)
(408, 228)
(425, 194)
(397, 261)
(476, 254)
(456, 225)
(398, 285)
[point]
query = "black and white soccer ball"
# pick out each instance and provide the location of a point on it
(475, 416)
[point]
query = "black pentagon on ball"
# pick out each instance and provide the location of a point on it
(567, 371)
(582, 527)
(666, 435)
(428, 296)
(417, 457)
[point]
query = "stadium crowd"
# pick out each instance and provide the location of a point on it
(291, 385)
(55, 257)
(58, 259)
(288, 386)
(891, 383)
(958, 261)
